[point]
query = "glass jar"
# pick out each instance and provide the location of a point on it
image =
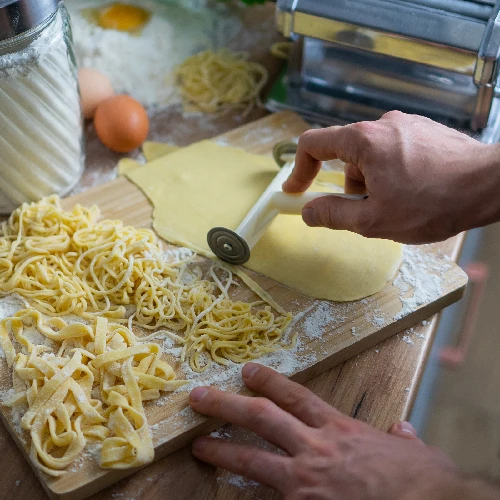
(41, 125)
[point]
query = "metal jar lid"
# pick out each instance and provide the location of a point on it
(19, 16)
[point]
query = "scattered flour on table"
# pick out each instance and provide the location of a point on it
(377, 319)
(421, 273)
(317, 319)
(228, 376)
(10, 305)
(408, 340)
(238, 481)
(92, 452)
(177, 254)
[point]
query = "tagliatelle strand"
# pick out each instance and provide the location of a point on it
(91, 390)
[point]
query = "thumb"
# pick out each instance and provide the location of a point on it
(404, 430)
(338, 213)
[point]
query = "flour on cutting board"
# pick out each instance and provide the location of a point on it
(10, 305)
(423, 274)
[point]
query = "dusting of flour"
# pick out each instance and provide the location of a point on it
(421, 272)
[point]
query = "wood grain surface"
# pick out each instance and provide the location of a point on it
(348, 331)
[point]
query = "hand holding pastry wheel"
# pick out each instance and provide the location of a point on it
(234, 246)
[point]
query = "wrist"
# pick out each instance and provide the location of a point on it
(450, 486)
(482, 180)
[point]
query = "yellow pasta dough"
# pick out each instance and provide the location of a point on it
(207, 185)
(126, 165)
(154, 150)
(151, 151)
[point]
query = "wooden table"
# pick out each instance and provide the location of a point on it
(379, 386)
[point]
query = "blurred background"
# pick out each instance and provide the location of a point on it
(458, 408)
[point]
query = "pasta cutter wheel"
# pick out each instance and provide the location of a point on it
(234, 247)
(228, 245)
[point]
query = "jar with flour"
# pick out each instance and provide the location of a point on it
(41, 129)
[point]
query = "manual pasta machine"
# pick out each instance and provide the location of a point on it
(353, 60)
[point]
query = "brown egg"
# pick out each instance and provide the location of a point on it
(121, 123)
(94, 88)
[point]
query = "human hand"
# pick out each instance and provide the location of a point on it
(328, 455)
(426, 182)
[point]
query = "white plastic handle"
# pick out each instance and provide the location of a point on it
(294, 203)
(273, 202)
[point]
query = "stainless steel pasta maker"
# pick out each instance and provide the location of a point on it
(234, 247)
(353, 60)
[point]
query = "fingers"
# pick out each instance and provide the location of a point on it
(403, 430)
(253, 463)
(260, 415)
(354, 180)
(291, 397)
(316, 146)
(338, 213)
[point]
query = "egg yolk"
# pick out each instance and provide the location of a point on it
(123, 17)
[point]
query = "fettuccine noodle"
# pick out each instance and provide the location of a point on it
(213, 81)
(91, 388)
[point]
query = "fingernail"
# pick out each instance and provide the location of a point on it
(249, 370)
(310, 217)
(407, 428)
(200, 443)
(198, 394)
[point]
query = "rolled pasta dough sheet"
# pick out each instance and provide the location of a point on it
(207, 185)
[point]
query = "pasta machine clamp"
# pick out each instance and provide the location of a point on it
(234, 247)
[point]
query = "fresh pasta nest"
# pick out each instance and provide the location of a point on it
(214, 81)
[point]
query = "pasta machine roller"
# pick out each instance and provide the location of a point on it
(353, 60)
(234, 247)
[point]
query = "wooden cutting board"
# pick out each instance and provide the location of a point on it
(329, 332)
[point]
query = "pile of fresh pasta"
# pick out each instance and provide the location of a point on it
(216, 81)
(91, 383)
